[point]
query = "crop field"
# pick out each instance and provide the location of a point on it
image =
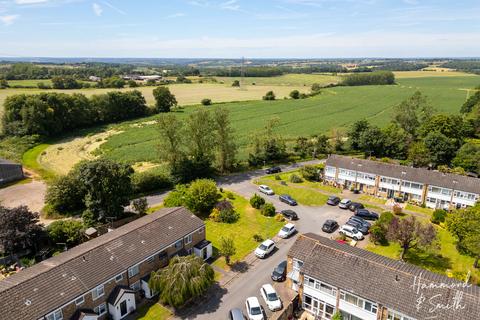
(186, 94)
(286, 80)
(431, 73)
(338, 107)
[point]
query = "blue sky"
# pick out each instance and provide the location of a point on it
(235, 28)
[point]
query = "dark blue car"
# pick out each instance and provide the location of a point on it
(287, 199)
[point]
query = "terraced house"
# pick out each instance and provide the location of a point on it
(335, 277)
(107, 275)
(432, 188)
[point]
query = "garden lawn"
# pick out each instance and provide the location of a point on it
(251, 222)
(426, 211)
(310, 184)
(447, 260)
(153, 312)
(304, 195)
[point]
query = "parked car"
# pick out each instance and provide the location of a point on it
(345, 203)
(362, 221)
(266, 189)
(287, 199)
(333, 200)
(289, 214)
(254, 310)
(366, 214)
(280, 272)
(236, 314)
(358, 226)
(265, 248)
(351, 232)
(355, 205)
(329, 226)
(287, 230)
(270, 297)
(273, 170)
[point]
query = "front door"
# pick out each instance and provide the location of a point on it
(123, 308)
(204, 253)
(390, 193)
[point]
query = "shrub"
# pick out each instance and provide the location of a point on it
(144, 182)
(202, 196)
(337, 316)
(438, 216)
(206, 102)
(310, 173)
(378, 233)
(269, 96)
(295, 94)
(236, 83)
(226, 212)
(315, 87)
(66, 231)
(397, 209)
(295, 179)
(257, 237)
(278, 177)
(256, 201)
(215, 215)
(268, 210)
(279, 217)
(140, 206)
(385, 218)
(176, 198)
(230, 195)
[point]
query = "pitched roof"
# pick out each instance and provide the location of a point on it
(44, 287)
(422, 175)
(388, 282)
(117, 294)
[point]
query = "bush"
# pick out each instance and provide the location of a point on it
(438, 216)
(279, 217)
(397, 209)
(215, 215)
(337, 316)
(229, 195)
(256, 201)
(310, 173)
(144, 182)
(385, 218)
(202, 196)
(140, 206)
(269, 96)
(236, 83)
(278, 177)
(378, 233)
(66, 231)
(206, 102)
(295, 179)
(295, 94)
(226, 212)
(176, 198)
(257, 237)
(268, 210)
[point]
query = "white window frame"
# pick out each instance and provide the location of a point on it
(97, 309)
(95, 292)
(133, 271)
(188, 239)
(135, 286)
(297, 264)
(55, 315)
(361, 302)
(401, 316)
(178, 242)
(79, 300)
(119, 278)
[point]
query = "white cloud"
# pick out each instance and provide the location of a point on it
(9, 19)
(230, 5)
(30, 1)
(97, 9)
(176, 15)
(111, 6)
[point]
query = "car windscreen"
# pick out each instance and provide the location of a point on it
(263, 247)
(286, 229)
(272, 296)
(255, 310)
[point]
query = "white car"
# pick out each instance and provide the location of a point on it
(271, 298)
(266, 189)
(265, 248)
(287, 230)
(351, 232)
(254, 310)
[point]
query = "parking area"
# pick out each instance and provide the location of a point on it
(258, 272)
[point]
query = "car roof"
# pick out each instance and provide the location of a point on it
(330, 221)
(346, 200)
(264, 186)
(268, 288)
(253, 302)
(283, 263)
(346, 226)
(289, 225)
(236, 313)
(288, 210)
(267, 242)
(333, 197)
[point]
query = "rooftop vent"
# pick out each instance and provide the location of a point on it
(28, 302)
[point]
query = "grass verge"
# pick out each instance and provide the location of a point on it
(153, 312)
(251, 222)
(30, 160)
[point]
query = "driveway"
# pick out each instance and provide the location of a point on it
(28, 194)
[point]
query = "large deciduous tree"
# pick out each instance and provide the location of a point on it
(410, 113)
(164, 99)
(108, 188)
(202, 196)
(69, 232)
(224, 140)
(19, 228)
(184, 279)
(410, 233)
(227, 248)
(357, 128)
(171, 131)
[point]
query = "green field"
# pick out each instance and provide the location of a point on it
(286, 80)
(334, 108)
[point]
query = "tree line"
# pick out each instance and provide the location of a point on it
(419, 137)
(370, 78)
